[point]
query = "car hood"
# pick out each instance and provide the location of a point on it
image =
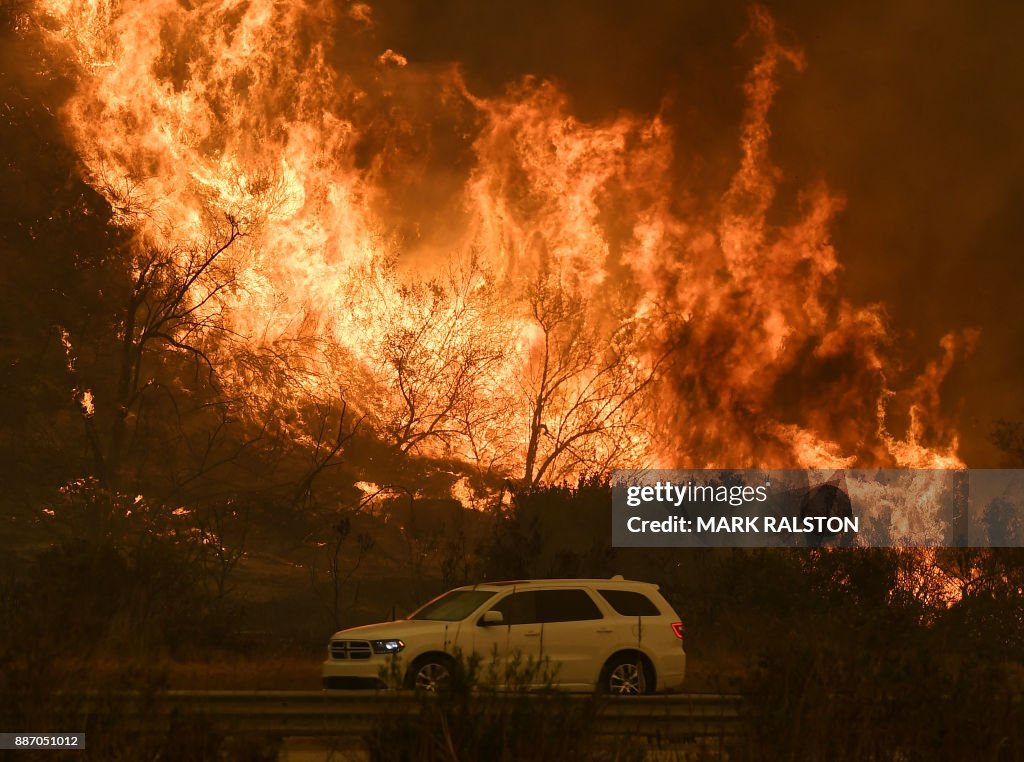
(401, 628)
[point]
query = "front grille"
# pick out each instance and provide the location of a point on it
(350, 649)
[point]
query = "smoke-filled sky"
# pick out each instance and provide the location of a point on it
(912, 110)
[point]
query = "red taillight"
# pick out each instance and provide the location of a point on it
(677, 629)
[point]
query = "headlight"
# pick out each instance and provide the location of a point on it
(392, 646)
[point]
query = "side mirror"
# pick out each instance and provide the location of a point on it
(492, 617)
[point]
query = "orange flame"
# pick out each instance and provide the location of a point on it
(184, 114)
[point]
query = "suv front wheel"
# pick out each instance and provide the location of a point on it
(430, 673)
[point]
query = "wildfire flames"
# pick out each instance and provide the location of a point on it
(491, 279)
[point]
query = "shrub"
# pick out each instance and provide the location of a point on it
(493, 711)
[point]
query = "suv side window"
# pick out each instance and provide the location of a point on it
(518, 608)
(566, 606)
(630, 603)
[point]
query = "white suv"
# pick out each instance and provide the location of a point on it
(611, 635)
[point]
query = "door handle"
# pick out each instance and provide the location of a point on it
(532, 634)
(604, 630)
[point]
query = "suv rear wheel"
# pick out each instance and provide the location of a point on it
(627, 675)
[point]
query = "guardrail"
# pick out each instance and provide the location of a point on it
(354, 713)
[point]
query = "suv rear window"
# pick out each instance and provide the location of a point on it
(629, 603)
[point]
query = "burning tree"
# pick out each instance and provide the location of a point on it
(170, 308)
(436, 345)
(583, 388)
(441, 352)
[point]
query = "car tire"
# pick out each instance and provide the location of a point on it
(430, 673)
(627, 674)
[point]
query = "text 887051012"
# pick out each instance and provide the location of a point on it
(14, 741)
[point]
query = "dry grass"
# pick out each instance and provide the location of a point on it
(281, 673)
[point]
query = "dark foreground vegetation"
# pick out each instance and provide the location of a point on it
(469, 720)
(844, 654)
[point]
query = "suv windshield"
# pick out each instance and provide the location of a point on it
(453, 606)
